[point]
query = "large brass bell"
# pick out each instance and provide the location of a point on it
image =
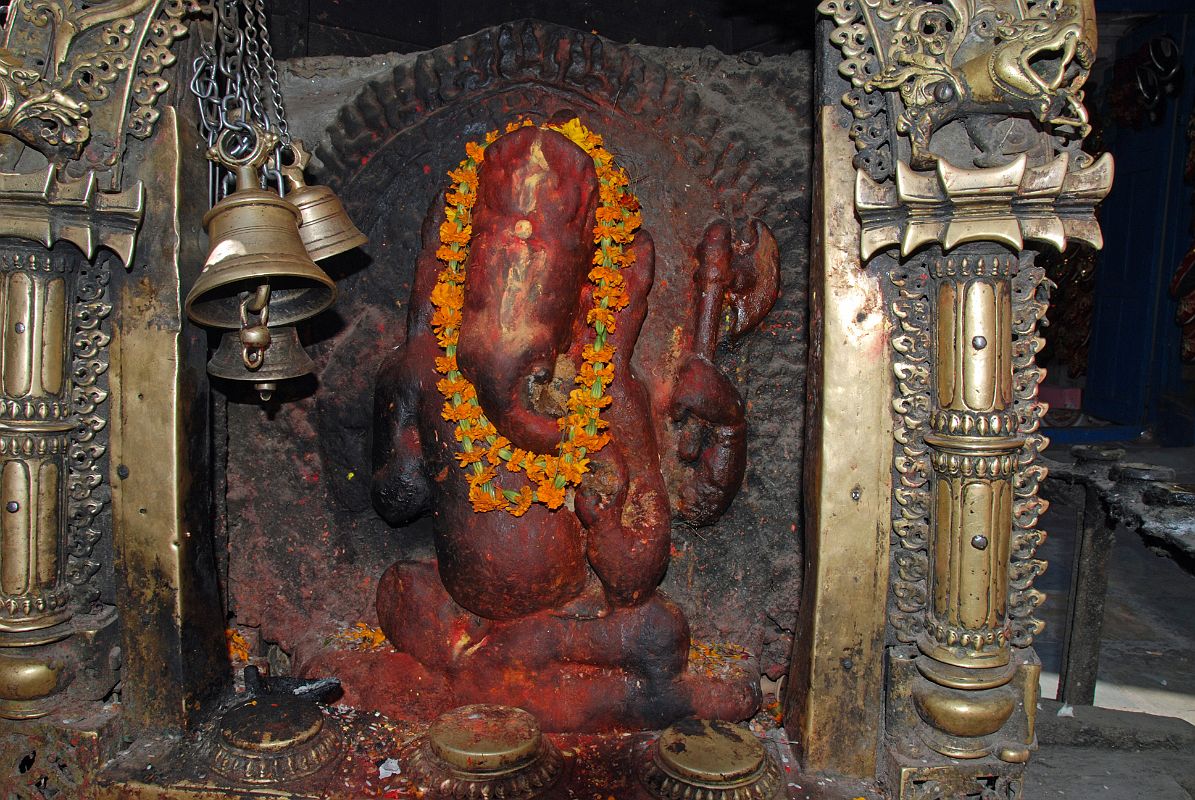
(254, 242)
(325, 228)
(238, 361)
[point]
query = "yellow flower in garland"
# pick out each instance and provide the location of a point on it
(483, 449)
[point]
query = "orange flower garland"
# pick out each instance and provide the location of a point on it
(482, 449)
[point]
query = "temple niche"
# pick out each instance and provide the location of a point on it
(717, 149)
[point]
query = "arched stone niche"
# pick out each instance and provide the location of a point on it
(705, 137)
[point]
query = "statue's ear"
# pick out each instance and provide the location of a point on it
(754, 279)
(640, 277)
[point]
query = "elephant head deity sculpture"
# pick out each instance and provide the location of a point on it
(555, 607)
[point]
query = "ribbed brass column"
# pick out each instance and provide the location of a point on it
(965, 665)
(36, 288)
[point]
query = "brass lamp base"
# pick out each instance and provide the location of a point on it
(710, 759)
(274, 739)
(485, 751)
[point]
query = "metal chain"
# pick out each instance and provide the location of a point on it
(279, 107)
(229, 81)
(250, 31)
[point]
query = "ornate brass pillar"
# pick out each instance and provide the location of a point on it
(963, 694)
(36, 420)
(79, 131)
(967, 120)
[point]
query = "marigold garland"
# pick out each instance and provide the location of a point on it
(482, 449)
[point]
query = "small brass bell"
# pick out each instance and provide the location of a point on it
(326, 229)
(254, 243)
(243, 356)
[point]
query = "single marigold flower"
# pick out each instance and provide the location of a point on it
(591, 442)
(486, 475)
(543, 468)
(616, 298)
(602, 315)
(446, 317)
(484, 501)
(499, 443)
(450, 386)
(451, 233)
(572, 469)
(591, 354)
(475, 151)
(464, 176)
(608, 214)
(550, 495)
(448, 295)
(515, 462)
(468, 458)
(526, 497)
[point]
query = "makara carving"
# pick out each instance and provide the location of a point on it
(963, 60)
(69, 68)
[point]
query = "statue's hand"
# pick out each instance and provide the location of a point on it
(624, 508)
(711, 446)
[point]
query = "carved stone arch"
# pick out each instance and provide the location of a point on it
(733, 158)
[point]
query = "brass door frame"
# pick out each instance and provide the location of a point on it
(914, 662)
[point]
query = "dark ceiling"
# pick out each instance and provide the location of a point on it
(368, 27)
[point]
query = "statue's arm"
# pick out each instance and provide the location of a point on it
(623, 504)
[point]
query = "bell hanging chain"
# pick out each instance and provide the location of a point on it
(235, 81)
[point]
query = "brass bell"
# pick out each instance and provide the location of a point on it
(263, 358)
(326, 229)
(255, 243)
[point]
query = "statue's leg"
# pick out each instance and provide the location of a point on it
(421, 619)
(627, 668)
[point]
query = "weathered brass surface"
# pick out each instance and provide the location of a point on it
(485, 738)
(254, 240)
(952, 179)
(70, 71)
(46, 207)
(175, 656)
(835, 684)
(274, 739)
(57, 755)
(962, 58)
(39, 291)
(325, 226)
(287, 359)
(711, 759)
(1051, 204)
(484, 751)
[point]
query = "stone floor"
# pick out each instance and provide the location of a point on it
(1142, 747)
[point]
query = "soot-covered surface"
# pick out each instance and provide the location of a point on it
(703, 135)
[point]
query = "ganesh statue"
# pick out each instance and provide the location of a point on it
(554, 455)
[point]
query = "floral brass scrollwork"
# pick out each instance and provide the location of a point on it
(64, 61)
